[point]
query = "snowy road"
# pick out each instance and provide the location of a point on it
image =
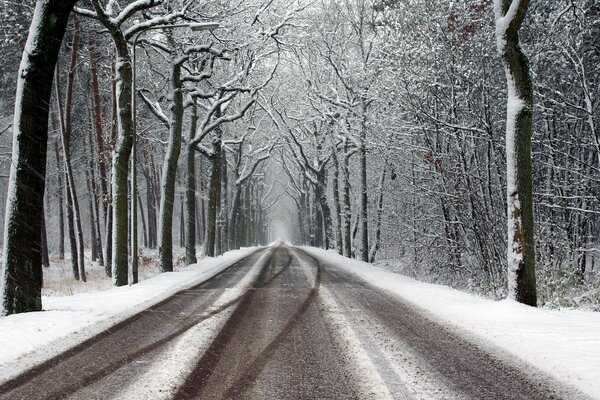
(281, 324)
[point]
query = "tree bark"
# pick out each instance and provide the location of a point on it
(375, 247)
(143, 218)
(22, 267)
(59, 195)
(347, 207)
(325, 211)
(364, 232)
(190, 192)
(169, 172)
(214, 199)
(336, 202)
(44, 239)
(521, 247)
(224, 205)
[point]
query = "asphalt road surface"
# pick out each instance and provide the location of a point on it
(280, 324)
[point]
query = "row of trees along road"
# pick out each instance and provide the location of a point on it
(378, 128)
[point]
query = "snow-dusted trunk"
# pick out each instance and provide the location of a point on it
(336, 201)
(21, 262)
(201, 215)
(347, 209)
(214, 199)
(521, 251)
(108, 222)
(234, 229)
(190, 193)
(120, 168)
(224, 205)
(59, 195)
(377, 243)
(169, 174)
(325, 211)
(364, 217)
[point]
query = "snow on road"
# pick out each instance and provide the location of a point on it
(563, 343)
(30, 338)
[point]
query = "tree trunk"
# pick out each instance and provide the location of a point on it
(44, 239)
(108, 222)
(71, 230)
(347, 207)
(21, 262)
(214, 199)
(521, 247)
(190, 193)
(59, 195)
(95, 210)
(120, 166)
(93, 240)
(364, 232)
(234, 230)
(375, 247)
(202, 232)
(224, 205)
(325, 211)
(169, 172)
(336, 202)
(144, 226)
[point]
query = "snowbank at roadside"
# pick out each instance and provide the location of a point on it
(30, 338)
(563, 343)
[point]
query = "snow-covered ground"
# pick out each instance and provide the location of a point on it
(563, 343)
(29, 338)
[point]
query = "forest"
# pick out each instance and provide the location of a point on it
(455, 142)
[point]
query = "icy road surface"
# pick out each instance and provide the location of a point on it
(282, 324)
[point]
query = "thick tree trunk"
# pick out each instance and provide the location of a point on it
(325, 211)
(190, 193)
(169, 172)
(120, 168)
(21, 262)
(521, 248)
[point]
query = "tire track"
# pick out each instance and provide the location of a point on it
(200, 377)
(66, 388)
